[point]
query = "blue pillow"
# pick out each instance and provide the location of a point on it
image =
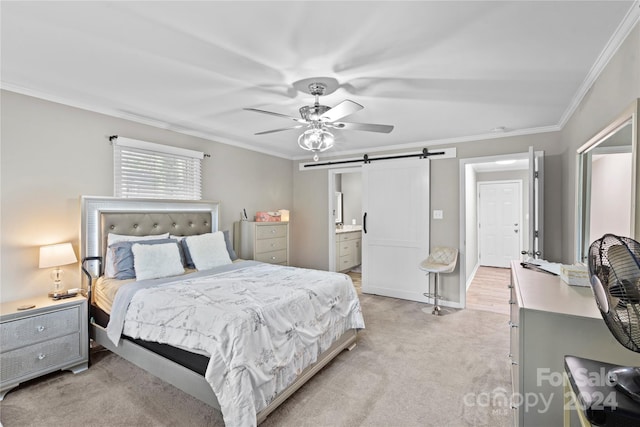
(123, 256)
(188, 262)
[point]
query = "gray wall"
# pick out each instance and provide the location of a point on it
(616, 87)
(51, 154)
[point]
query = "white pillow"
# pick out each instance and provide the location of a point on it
(155, 261)
(208, 250)
(109, 261)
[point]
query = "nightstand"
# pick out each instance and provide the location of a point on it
(51, 336)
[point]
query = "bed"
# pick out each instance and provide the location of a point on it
(241, 336)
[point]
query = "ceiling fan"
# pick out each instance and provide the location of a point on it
(318, 118)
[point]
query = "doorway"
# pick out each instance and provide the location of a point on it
(526, 168)
(345, 214)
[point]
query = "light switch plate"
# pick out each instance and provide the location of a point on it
(437, 214)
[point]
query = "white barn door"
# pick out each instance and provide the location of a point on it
(395, 204)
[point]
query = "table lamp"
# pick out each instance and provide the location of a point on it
(56, 256)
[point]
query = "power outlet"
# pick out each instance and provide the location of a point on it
(437, 214)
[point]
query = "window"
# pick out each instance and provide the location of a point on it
(155, 171)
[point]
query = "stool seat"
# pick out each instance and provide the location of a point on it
(440, 260)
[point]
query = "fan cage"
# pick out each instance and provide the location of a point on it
(614, 262)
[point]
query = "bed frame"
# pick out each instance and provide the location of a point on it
(102, 215)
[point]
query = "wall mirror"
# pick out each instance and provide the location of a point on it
(608, 186)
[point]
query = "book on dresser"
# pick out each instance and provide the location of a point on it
(262, 241)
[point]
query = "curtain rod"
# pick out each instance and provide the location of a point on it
(366, 159)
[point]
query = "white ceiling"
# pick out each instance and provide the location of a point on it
(442, 71)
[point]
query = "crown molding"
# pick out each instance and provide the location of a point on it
(622, 32)
(135, 118)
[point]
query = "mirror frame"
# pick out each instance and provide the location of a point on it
(631, 113)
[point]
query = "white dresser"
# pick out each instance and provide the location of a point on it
(51, 336)
(262, 241)
(550, 319)
(348, 249)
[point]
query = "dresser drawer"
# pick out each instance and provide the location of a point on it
(275, 257)
(269, 231)
(355, 235)
(273, 244)
(344, 262)
(40, 357)
(29, 330)
(346, 248)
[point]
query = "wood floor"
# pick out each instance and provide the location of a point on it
(488, 290)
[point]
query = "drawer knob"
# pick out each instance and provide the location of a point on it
(513, 325)
(513, 362)
(511, 302)
(41, 356)
(273, 231)
(273, 257)
(40, 328)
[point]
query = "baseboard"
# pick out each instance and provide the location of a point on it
(472, 275)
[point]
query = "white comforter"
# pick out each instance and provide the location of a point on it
(262, 324)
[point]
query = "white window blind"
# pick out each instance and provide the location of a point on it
(155, 171)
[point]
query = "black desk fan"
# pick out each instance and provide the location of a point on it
(614, 267)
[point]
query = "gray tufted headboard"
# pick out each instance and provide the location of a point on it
(138, 217)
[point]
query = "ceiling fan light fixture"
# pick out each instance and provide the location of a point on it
(316, 140)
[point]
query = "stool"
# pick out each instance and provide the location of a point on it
(440, 260)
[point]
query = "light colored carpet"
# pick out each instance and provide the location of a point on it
(409, 369)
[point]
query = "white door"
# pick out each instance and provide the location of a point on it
(395, 203)
(536, 203)
(499, 222)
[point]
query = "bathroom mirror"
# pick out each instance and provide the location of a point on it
(608, 184)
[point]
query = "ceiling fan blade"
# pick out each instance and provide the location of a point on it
(369, 127)
(278, 130)
(341, 110)
(297, 119)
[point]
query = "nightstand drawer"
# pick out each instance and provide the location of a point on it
(269, 231)
(34, 329)
(275, 257)
(39, 357)
(268, 245)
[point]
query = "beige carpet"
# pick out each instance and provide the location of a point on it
(409, 369)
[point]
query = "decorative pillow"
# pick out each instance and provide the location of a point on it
(227, 241)
(109, 268)
(156, 261)
(123, 257)
(208, 250)
(188, 262)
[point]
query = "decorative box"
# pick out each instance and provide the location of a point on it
(267, 217)
(575, 275)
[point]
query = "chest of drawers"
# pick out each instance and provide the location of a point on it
(263, 241)
(49, 337)
(348, 250)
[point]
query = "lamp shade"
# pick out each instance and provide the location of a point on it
(57, 255)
